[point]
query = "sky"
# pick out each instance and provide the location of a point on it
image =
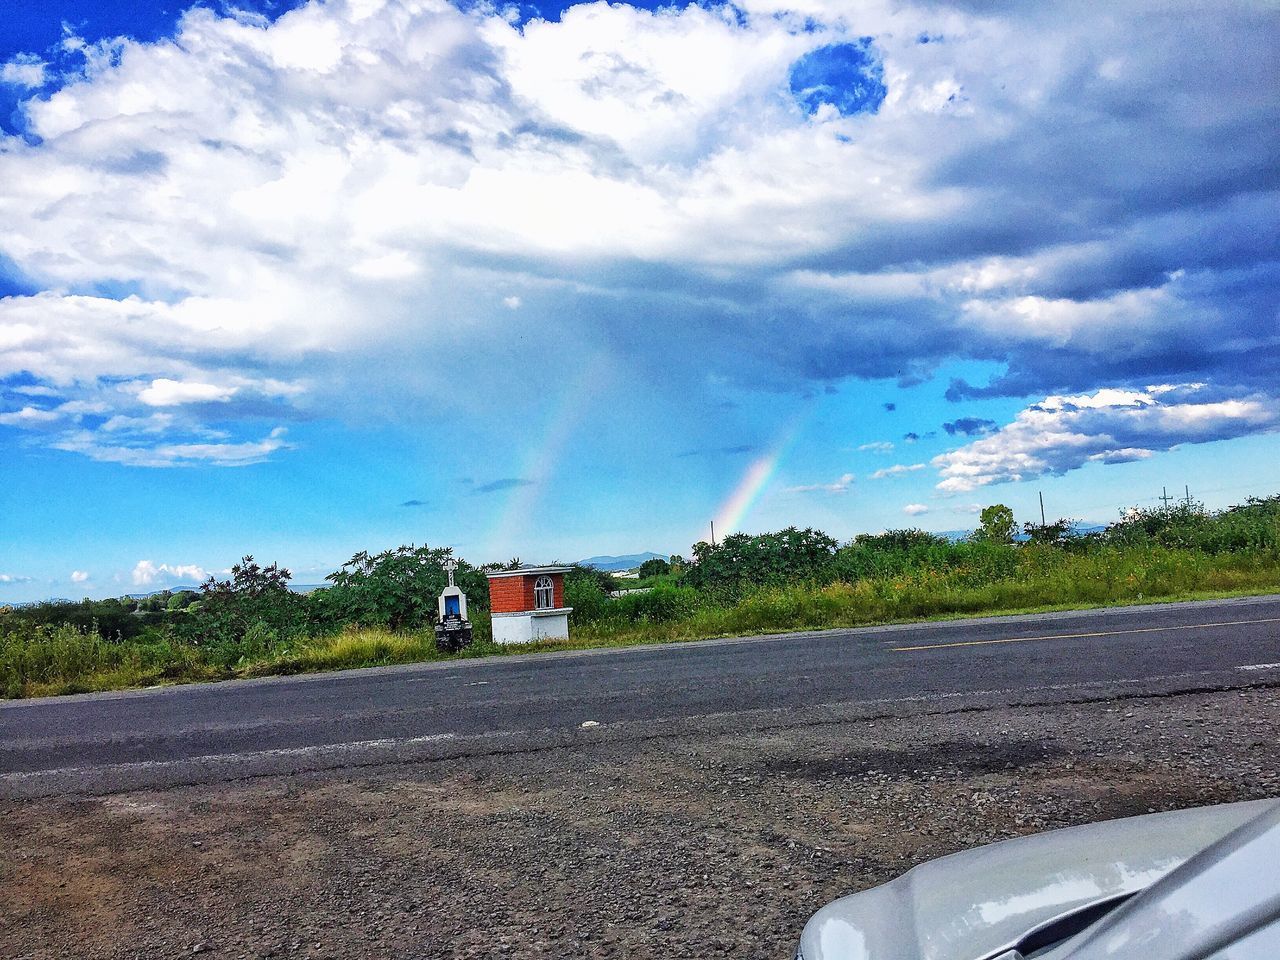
(301, 279)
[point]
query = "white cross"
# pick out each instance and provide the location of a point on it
(450, 565)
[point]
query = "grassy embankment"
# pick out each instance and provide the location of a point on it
(39, 660)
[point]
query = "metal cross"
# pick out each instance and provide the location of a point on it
(450, 565)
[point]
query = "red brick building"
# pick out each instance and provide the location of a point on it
(528, 604)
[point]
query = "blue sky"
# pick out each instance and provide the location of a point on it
(303, 279)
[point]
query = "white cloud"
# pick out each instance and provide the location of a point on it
(12, 578)
(164, 392)
(146, 573)
(897, 470)
(24, 70)
(27, 416)
(1064, 433)
(840, 485)
(344, 189)
(79, 576)
(915, 509)
(878, 446)
(174, 454)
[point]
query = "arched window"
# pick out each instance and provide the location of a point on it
(544, 594)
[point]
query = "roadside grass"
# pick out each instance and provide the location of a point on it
(44, 660)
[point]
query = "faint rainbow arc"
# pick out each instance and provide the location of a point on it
(755, 479)
(543, 458)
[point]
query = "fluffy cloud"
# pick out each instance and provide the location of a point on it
(1064, 433)
(24, 70)
(915, 509)
(146, 573)
(12, 578)
(878, 446)
(171, 393)
(231, 225)
(79, 576)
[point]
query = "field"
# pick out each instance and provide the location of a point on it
(379, 609)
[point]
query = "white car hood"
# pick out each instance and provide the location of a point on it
(980, 903)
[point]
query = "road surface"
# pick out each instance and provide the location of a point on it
(103, 743)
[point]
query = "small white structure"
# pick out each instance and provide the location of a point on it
(453, 602)
(527, 604)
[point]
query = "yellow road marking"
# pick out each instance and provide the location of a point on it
(1079, 636)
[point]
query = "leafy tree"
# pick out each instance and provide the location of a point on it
(1055, 534)
(234, 616)
(585, 593)
(907, 539)
(654, 567)
(1252, 525)
(156, 602)
(770, 558)
(996, 525)
(397, 588)
(603, 579)
(182, 600)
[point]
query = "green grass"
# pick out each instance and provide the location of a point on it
(37, 660)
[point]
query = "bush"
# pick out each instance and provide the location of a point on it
(396, 589)
(588, 600)
(743, 560)
(112, 619)
(659, 605)
(235, 617)
(1253, 525)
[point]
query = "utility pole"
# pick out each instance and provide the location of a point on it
(713, 533)
(1164, 497)
(1042, 523)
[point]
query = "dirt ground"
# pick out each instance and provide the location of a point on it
(690, 845)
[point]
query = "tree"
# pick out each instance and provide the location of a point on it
(996, 525)
(243, 616)
(654, 567)
(182, 600)
(396, 588)
(769, 558)
(1056, 533)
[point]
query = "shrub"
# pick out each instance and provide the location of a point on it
(742, 560)
(396, 589)
(235, 616)
(659, 605)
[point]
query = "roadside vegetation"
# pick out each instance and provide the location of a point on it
(379, 609)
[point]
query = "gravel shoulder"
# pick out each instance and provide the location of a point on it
(698, 844)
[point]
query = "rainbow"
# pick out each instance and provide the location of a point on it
(756, 478)
(543, 457)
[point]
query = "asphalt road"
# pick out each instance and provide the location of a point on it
(208, 733)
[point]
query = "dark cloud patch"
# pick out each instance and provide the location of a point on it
(415, 503)
(969, 426)
(890, 407)
(718, 451)
(911, 437)
(506, 483)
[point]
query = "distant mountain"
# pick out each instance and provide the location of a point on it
(628, 562)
